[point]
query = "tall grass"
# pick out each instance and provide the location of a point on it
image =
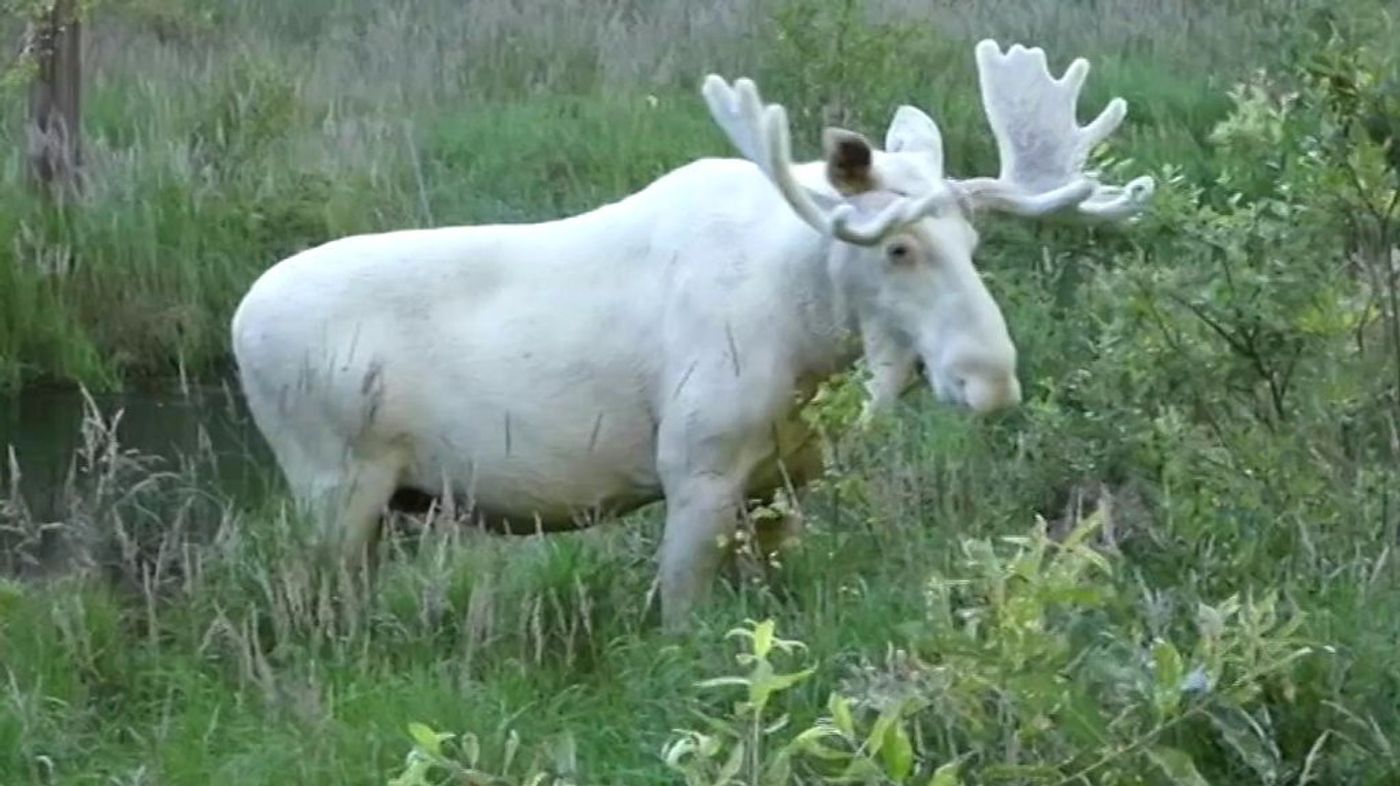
(176, 636)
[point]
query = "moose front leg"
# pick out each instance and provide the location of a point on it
(701, 516)
(707, 466)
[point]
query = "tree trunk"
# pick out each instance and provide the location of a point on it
(55, 134)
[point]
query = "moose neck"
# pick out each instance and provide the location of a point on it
(827, 295)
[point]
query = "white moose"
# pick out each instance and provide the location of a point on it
(659, 346)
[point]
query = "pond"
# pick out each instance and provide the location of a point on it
(45, 429)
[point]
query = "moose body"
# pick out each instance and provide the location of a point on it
(533, 366)
(657, 347)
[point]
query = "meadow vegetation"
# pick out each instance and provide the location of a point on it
(1173, 565)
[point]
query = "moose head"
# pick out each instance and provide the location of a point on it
(901, 231)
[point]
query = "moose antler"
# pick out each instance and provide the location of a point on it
(762, 135)
(1043, 148)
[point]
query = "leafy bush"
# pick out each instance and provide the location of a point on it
(433, 761)
(1033, 663)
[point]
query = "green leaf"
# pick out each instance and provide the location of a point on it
(732, 765)
(810, 743)
(860, 770)
(840, 710)
(780, 682)
(415, 774)
(1081, 717)
(946, 775)
(778, 771)
(427, 739)
(765, 684)
(898, 753)
(1177, 765)
(709, 745)
(763, 638)
(878, 733)
(11, 593)
(1087, 526)
(471, 749)
(719, 682)
(1248, 739)
(512, 747)
(1169, 670)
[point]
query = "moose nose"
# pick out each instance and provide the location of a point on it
(984, 396)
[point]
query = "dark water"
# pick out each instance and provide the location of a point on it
(207, 425)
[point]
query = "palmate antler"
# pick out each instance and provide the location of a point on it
(1032, 114)
(1043, 148)
(762, 135)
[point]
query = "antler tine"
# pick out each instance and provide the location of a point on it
(1042, 146)
(838, 219)
(829, 217)
(899, 212)
(1114, 203)
(738, 112)
(762, 134)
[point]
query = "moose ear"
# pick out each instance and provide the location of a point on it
(913, 131)
(848, 161)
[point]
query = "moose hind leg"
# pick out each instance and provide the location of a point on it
(363, 505)
(780, 482)
(346, 505)
(776, 530)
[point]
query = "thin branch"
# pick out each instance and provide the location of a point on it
(1225, 334)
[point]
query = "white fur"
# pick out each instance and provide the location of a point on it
(652, 348)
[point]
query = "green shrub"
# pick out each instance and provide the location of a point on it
(1032, 663)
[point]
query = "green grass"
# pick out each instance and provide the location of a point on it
(237, 663)
(205, 645)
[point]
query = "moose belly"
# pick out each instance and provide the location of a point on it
(527, 474)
